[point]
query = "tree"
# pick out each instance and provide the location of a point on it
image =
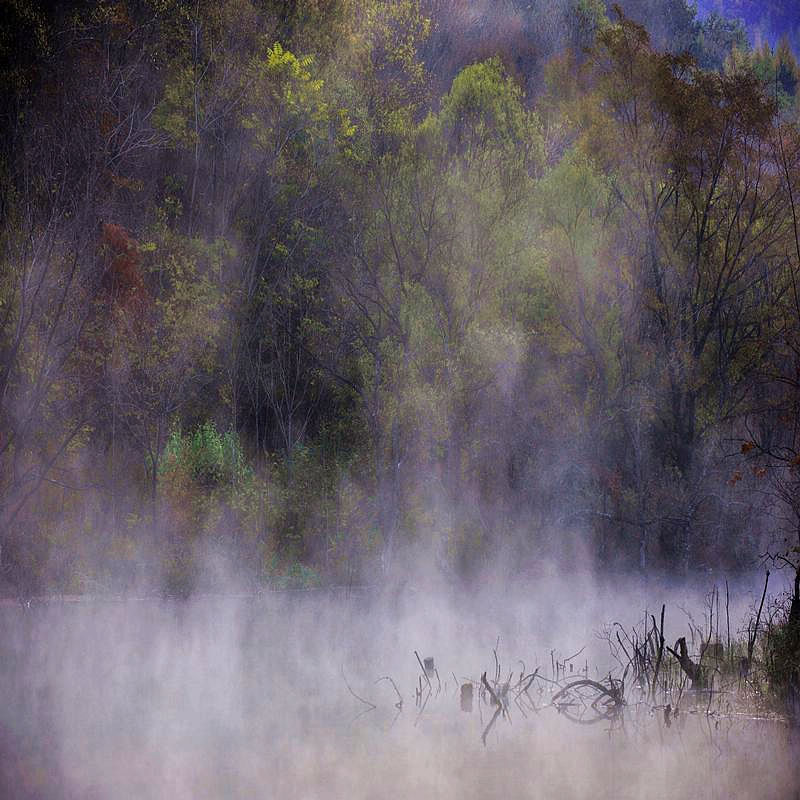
(425, 305)
(72, 144)
(163, 341)
(698, 181)
(771, 441)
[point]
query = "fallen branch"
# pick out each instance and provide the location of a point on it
(613, 693)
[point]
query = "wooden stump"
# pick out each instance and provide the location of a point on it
(466, 697)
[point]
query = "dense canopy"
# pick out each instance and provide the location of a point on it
(302, 292)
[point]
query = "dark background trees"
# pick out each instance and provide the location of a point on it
(315, 291)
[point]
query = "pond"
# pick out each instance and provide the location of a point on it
(289, 695)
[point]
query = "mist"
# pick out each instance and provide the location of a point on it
(226, 697)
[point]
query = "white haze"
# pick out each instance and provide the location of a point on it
(245, 697)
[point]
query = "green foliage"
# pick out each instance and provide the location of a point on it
(207, 457)
(590, 17)
(571, 196)
(173, 115)
(484, 110)
(396, 30)
(777, 70)
(782, 659)
(287, 105)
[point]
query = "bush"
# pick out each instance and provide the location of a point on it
(212, 499)
(783, 660)
(206, 457)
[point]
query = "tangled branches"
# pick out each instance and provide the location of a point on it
(699, 675)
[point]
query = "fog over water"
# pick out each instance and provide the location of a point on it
(256, 697)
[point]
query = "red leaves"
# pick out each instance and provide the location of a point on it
(116, 236)
(123, 278)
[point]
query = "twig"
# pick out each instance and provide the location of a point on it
(660, 653)
(624, 649)
(728, 619)
(350, 689)
(710, 694)
(491, 691)
(491, 722)
(531, 677)
(519, 706)
(399, 703)
(422, 709)
(419, 661)
(564, 661)
(751, 642)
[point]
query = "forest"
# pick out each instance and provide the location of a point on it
(306, 293)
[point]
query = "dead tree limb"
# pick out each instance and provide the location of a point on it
(495, 699)
(419, 661)
(693, 671)
(612, 693)
(751, 640)
(659, 653)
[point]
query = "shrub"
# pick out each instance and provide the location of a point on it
(783, 660)
(206, 457)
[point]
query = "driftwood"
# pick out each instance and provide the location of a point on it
(693, 671)
(657, 686)
(606, 705)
